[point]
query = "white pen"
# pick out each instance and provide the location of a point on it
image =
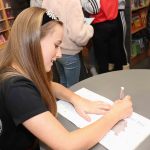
(122, 93)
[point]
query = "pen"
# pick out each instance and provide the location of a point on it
(122, 93)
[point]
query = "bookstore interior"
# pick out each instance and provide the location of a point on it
(139, 26)
(140, 30)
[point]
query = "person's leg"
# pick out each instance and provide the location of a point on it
(117, 52)
(92, 60)
(61, 72)
(116, 46)
(100, 44)
(70, 69)
(83, 69)
(124, 29)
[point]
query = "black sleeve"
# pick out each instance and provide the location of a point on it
(23, 101)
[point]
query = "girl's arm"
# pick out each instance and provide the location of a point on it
(47, 128)
(82, 106)
(91, 6)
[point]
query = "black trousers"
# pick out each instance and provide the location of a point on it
(107, 43)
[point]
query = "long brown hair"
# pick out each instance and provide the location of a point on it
(24, 49)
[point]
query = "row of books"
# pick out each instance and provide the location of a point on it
(139, 20)
(9, 14)
(139, 45)
(7, 3)
(148, 24)
(2, 26)
(135, 4)
(1, 16)
(6, 21)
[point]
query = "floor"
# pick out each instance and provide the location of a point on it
(145, 64)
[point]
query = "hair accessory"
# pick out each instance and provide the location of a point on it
(49, 16)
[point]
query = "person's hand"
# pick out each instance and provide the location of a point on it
(84, 107)
(122, 108)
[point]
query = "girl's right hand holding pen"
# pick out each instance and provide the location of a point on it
(123, 108)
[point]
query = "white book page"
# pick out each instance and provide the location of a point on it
(125, 135)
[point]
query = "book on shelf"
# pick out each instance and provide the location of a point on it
(1, 16)
(139, 45)
(6, 3)
(2, 39)
(148, 24)
(2, 26)
(11, 22)
(139, 20)
(135, 48)
(9, 13)
(135, 4)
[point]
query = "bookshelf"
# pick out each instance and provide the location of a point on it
(140, 45)
(6, 21)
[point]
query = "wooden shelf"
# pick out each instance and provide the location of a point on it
(10, 18)
(140, 57)
(139, 12)
(5, 13)
(138, 8)
(3, 45)
(2, 20)
(139, 29)
(4, 30)
(8, 8)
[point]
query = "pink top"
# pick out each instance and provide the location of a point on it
(76, 32)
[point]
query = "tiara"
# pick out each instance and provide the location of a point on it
(49, 16)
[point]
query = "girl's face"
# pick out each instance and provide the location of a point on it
(50, 45)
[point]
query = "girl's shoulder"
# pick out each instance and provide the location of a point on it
(16, 81)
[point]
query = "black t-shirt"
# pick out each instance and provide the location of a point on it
(19, 101)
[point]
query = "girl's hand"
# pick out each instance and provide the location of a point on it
(123, 108)
(84, 107)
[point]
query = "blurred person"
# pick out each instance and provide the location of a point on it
(106, 36)
(91, 7)
(76, 35)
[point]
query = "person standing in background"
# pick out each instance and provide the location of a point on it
(18, 6)
(76, 35)
(91, 7)
(123, 31)
(106, 38)
(122, 26)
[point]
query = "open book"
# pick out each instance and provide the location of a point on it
(125, 135)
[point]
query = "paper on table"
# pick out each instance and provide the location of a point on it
(88, 20)
(125, 135)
